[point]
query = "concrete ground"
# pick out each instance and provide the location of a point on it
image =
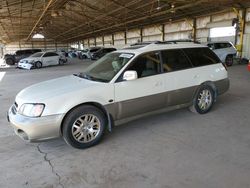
(178, 149)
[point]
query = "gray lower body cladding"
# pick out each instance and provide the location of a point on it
(151, 103)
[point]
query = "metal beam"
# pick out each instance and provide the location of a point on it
(37, 22)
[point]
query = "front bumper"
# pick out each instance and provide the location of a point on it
(35, 129)
(25, 65)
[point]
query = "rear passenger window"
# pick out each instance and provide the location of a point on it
(174, 60)
(201, 56)
(146, 65)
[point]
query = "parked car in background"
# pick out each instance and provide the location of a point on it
(42, 59)
(224, 50)
(83, 54)
(11, 59)
(101, 52)
(93, 50)
(123, 84)
(248, 66)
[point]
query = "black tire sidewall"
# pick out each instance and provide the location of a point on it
(229, 63)
(38, 62)
(71, 118)
(9, 61)
(60, 62)
(196, 106)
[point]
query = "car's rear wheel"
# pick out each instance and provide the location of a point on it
(61, 62)
(203, 100)
(229, 60)
(84, 126)
(38, 64)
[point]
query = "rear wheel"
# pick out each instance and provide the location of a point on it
(38, 65)
(229, 60)
(84, 126)
(61, 62)
(203, 100)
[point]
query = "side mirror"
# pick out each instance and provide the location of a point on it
(130, 75)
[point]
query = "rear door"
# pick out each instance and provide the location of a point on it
(50, 58)
(178, 77)
(144, 94)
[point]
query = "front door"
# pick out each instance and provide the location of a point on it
(143, 94)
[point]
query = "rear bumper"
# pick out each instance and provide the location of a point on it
(222, 86)
(35, 129)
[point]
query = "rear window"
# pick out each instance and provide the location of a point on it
(94, 50)
(201, 56)
(222, 45)
(174, 60)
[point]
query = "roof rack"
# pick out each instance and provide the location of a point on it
(164, 42)
(144, 43)
(178, 41)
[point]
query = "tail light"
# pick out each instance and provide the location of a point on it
(248, 66)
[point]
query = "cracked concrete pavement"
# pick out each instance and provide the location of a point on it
(172, 150)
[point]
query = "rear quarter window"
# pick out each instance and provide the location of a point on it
(201, 56)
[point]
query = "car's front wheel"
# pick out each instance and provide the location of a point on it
(10, 61)
(84, 126)
(38, 64)
(203, 100)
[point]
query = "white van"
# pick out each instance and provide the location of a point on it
(123, 84)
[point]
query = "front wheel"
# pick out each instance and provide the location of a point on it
(84, 126)
(203, 100)
(10, 61)
(38, 65)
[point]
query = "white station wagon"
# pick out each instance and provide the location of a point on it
(123, 84)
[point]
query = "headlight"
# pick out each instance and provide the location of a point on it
(31, 62)
(31, 110)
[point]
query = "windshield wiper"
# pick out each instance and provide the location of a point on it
(83, 75)
(88, 77)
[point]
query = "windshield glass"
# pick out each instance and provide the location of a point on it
(38, 54)
(107, 67)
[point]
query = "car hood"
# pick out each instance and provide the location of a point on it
(53, 88)
(30, 59)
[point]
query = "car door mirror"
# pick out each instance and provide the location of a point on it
(130, 75)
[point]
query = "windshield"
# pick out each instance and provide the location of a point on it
(38, 54)
(107, 67)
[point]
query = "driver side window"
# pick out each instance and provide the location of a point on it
(146, 65)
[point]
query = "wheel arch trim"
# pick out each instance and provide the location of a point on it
(97, 105)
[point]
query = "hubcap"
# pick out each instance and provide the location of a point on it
(86, 128)
(205, 99)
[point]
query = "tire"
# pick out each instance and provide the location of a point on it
(38, 64)
(61, 62)
(229, 60)
(84, 56)
(77, 130)
(203, 100)
(10, 61)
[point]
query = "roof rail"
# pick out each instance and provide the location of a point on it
(144, 43)
(178, 41)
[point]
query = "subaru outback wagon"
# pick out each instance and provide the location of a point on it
(126, 83)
